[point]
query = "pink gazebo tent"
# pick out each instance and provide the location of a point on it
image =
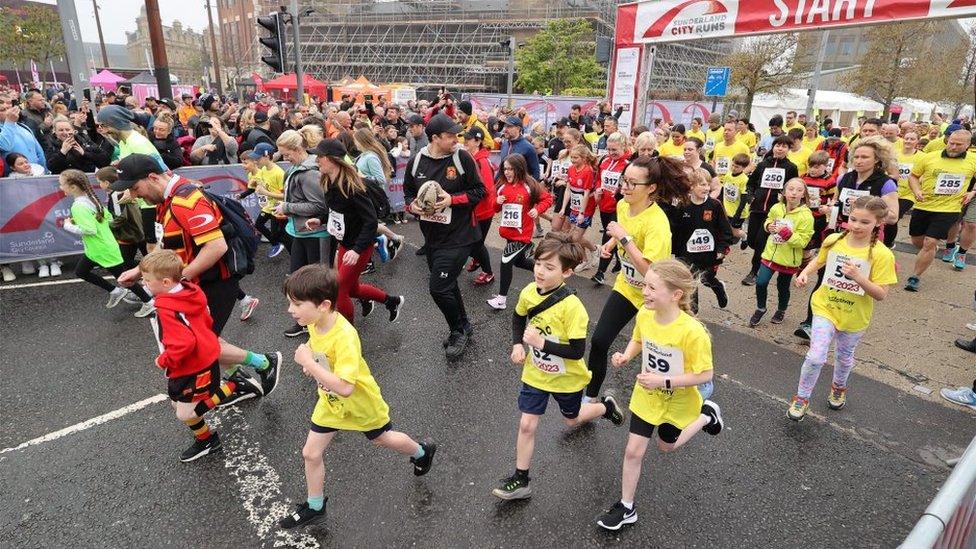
(107, 80)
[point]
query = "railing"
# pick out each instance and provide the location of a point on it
(949, 522)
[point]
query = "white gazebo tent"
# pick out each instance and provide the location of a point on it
(842, 107)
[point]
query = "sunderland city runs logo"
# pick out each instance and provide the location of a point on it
(685, 19)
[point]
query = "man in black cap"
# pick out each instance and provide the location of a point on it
(556, 143)
(450, 232)
(468, 120)
(260, 133)
(189, 223)
(515, 143)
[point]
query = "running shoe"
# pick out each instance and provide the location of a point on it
(912, 284)
(798, 408)
(456, 345)
(714, 413)
(422, 465)
(499, 302)
(749, 280)
(56, 267)
(722, 294)
(131, 298)
(616, 267)
(958, 263)
(114, 297)
(963, 396)
(303, 515)
(245, 387)
(778, 317)
(468, 330)
(539, 233)
(8, 274)
(367, 307)
(394, 246)
(950, 253)
(613, 412)
(27, 267)
(756, 318)
(43, 271)
(370, 268)
(971, 326)
(483, 279)
(248, 304)
(381, 248)
(599, 278)
(617, 516)
(966, 344)
(394, 305)
(421, 250)
(200, 448)
(472, 266)
(146, 309)
(803, 331)
(837, 397)
(513, 487)
(275, 250)
(272, 374)
(296, 331)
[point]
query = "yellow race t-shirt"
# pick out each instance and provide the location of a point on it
(560, 323)
(669, 149)
(712, 138)
(840, 299)
(748, 138)
(732, 188)
(814, 143)
(699, 134)
(944, 181)
(723, 155)
(340, 351)
(680, 347)
(652, 235)
(905, 163)
(273, 179)
(935, 145)
(800, 158)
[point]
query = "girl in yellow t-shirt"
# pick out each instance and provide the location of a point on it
(676, 357)
(858, 273)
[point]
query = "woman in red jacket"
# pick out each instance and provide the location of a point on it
(520, 199)
(608, 192)
(485, 210)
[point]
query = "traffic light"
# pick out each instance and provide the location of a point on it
(274, 41)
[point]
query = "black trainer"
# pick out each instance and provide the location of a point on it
(598, 278)
(246, 387)
(617, 516)
(456, 345)
(616, 267)
(711, 409)
(270, 375)
(447, 341)
(756, 318)
(778, 317)
(296, 330)
(394, 304)
(201, 448)
(367, 306)
(802, 331)
(393, 246)
(422, 465)
(513, 487)
(613, 412)
(303, 515)
(722, 295)
(421, 250)
(369, 269)
(749, 280)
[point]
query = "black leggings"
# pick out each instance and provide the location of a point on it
(129, 254)
(891, 231)
(756, 237)
(305, 251)
(617, 312)
(276, 234)
(708, 280)
(605, 219)
(523, 261)
(479, 252)
(84, 271)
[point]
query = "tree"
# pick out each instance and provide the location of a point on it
(32, 32)
(558, 57)
(763, 65)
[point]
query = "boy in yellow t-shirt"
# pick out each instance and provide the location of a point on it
(676, 357)
(733, 185)
(267, 179)
(552, 322)
(349, 398)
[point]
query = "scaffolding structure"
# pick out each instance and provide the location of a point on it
(456, 43)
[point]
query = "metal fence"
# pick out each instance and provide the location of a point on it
(949, 522)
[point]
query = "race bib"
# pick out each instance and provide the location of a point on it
(847, 197)
(834, 278)
(262, 200)
(709, 143)
(773, 178)
(611, 181)
(662, 360)
(731, 192)
(546, 362)
(830, 165)
(337, 225)
(601, 152)
(158, 227)
(560, 170)
(904, 170)
(948, 183)
(631, 275)
(701, 241)
(722, 165)
(443, 217)
(813, 197)
(575, 201)
(780, 223)
(512, 216)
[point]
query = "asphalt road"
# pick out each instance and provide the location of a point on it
(859, 477)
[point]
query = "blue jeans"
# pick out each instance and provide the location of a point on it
(763, 279)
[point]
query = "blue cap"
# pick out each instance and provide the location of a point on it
(953, 128)
(513, 121)
(261, 149)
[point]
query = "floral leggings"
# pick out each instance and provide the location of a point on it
(822, 333)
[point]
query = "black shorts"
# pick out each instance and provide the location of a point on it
(932, 224)
(221, 298)
(533, 401)
(665, 431)
(370, 435)
(904, 206)
(196, 387)
(149, 224)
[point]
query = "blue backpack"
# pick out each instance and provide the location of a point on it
(239, 232)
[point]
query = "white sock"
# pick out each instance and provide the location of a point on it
(628, 504)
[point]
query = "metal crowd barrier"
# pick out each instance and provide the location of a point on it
(949, 522)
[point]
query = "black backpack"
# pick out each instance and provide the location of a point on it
(376, 190)
(239, 232)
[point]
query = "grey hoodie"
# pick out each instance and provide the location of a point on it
(304, 197)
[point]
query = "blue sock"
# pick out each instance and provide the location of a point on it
(420, 452)
(256, 361)
(316, 503)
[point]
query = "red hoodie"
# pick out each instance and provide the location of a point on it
(184, 331)
(486, 208)
(516, 225)
(611, 170)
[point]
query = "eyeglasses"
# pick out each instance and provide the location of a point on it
(628, 183)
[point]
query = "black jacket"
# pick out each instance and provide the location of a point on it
(710, 215)
(169, 149)
(873, 184)
(760, 199)
(465, 188)
(357, 215)
(254, 136)
(93, 158)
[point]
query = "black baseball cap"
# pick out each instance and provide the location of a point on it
(169, 103)
(475, 133)
(133, 168)
(330, 147)
(415, 119)
(834, 132)
(442, 123)
(562, 122)
(260, 117)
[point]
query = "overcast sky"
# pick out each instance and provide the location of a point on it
(119, 16)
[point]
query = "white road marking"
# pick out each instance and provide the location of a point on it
(46, 283)
(84, 425)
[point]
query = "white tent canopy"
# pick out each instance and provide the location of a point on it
(842, 107)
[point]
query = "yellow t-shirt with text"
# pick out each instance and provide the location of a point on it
(905, 164)
(723, 154)
(652, 235)
(840, 299)
(273, 179)
(560, 323)
(732, 188)
(943, 180)
(748, 138)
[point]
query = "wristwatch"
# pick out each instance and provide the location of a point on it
(625, 240)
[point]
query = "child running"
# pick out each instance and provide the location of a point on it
(703, 238)
(521, 200)
(579, 198)
(269, 184)
(349, 398)
(733, 185)
(790, 227)
(608, 192)
(858, 273)
(676, 356)
(90, 220)
(188, 348)
(556, 336)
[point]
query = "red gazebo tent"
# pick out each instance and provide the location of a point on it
(313, 87)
